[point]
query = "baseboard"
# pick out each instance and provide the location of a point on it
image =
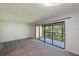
(27, 38)
(73, 53)
(17, 40)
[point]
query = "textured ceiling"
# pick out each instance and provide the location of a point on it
(31, 12)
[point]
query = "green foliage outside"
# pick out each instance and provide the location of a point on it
(57, 30)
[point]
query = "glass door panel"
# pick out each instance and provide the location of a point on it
(48, 34)
(37, 32)
(41, 32)
(58, 34)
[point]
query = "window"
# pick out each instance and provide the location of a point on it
(51, 33)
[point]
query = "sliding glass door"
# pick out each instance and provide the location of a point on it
(37, 32)
(48, 34)
(51, 33)
(42, 32)
(58, 34)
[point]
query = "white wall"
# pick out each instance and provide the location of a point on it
(15, 30)
(71, 31)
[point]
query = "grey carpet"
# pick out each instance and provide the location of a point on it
(33, 47)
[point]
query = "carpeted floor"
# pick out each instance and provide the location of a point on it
(33, 47)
